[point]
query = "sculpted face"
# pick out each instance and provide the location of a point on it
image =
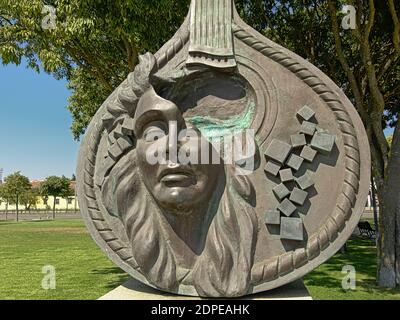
(187, 220)
(179, 187)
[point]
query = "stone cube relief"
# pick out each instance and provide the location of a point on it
(308, 154)
(319, 141)
(292, 229)
(306, 113)
(308, 128)
(278, 150)
(124, 143)
(281, 191)
(287, 207)
(286, 175)
(295, 162)
(305, 181)
(320, 130)
(168, 223)
(273, 167)
(273, 217)
(323, 142)
(298, 140)
(298, 196)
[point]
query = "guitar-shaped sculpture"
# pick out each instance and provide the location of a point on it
(174, 197)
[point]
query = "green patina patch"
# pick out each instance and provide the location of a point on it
(213, 128)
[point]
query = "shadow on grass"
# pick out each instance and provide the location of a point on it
(120, 278)
(361, 254)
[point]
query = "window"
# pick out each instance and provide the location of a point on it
(69, 200)
(57, 201)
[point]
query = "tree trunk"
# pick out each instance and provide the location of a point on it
(54, 208)
(389, 237)
(17, 217)
(375, 207)
(7, 210)
(395, 183)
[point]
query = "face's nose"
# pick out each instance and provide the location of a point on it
(173, 142)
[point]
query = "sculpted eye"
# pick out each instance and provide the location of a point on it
(154, 131)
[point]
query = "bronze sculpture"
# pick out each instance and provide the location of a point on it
(210, 228)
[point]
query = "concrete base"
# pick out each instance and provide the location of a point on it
(135, 290)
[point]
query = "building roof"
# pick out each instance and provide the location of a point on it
(36, 184)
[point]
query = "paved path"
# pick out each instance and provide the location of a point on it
(72, 215)
(41, 216)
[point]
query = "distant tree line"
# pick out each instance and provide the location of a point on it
(17, 190)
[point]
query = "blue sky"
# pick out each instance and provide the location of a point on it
(35, 136)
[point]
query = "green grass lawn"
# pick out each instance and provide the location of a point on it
(84, 272)
(325, 283)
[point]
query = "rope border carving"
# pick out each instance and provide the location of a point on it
(121, 105)
(276, 267)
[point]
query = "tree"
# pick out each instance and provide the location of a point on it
(45, 199)
(16, 185)
(67, 194)
(30, 198)
(2, 194)
(55, 187)
(5, 196)
(364, 62)
(92, 44)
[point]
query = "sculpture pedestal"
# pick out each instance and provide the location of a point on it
(135, 290)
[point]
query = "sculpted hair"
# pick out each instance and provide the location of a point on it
(223, 268)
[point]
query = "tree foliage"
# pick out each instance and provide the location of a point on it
(68, 192)
(93, 45)
(30, 198)
(3, 194)
(56, 187)
(15, 185)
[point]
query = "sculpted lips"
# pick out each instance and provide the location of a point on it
(177, 177)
